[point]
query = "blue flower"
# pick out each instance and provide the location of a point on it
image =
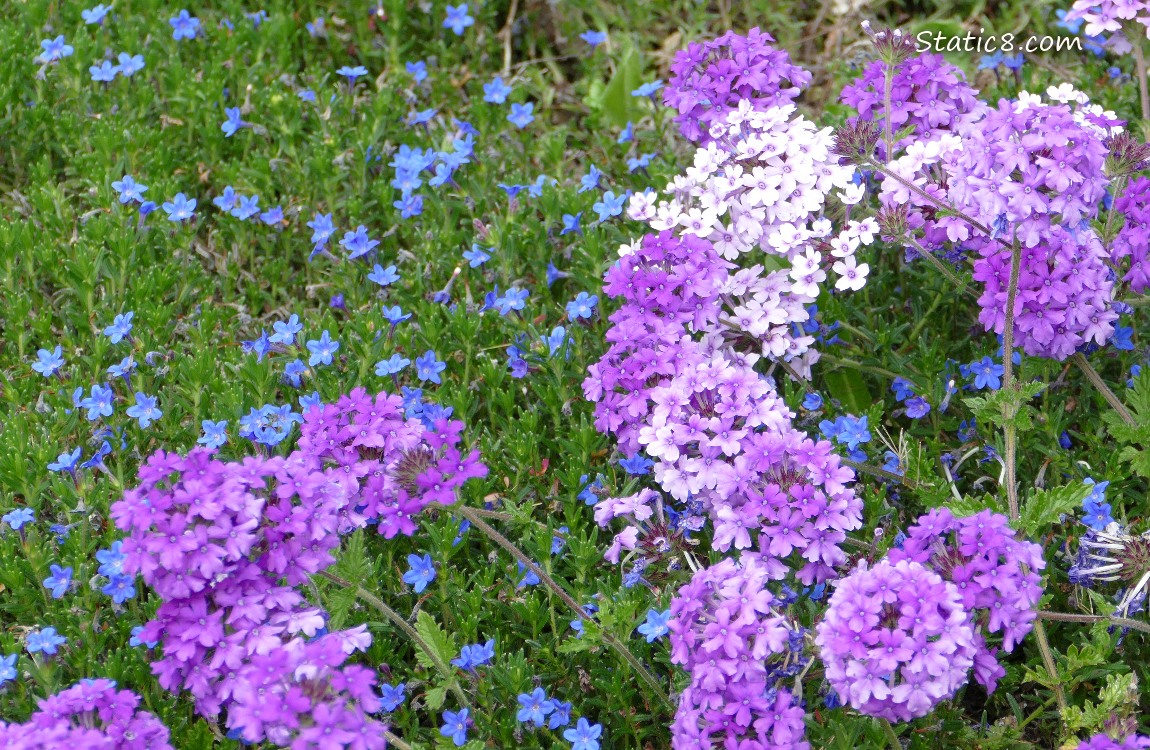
(18, 518)
(421, 572)
(476, 256)
(44, 641)
(530, 579)
(585, 736)
(1014, 62)
(357, 242)
(571, 224)
(475, 655)
(455, 723)
(637, 465)
(66, 461)
(409, 205)
(990, 62)
(556, 340)
(95, 15)
(917, 407)
(144, 410)
(7, 668)
(214, 433)
(496, 92)
(130, 64)
(648, 89)
(590, 181)
(351, 73)
(534, 707)
(457, 20)
(184, 26)
(418, 70)
(1072, 26)
(812, 402)
(521, 115)
(120, 328)
(640, 162)
(583, 306)
(226, 201)
(312, 400)
(627, 135)
(120, 587)
(54, 49)
(395, 315)
(111, 560)
(383, 276)
(392, 696)
(427, 367)
(285, 331)
(1123, 338)
(59, 581)
(902, 388)
(987, 374)
(293, 371)
(594, 38)
(180, 208)
(232, 123)
(656, 625)
(391, 366)
(99, 403)
(48, 362)
(322, 350)
(610, 205)
(322, 228)
(246, 207)
(129, 189)
(272, 216)
(104, 72)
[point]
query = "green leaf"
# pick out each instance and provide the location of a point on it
(1045, 506)
(436, 639)
(617, 104)
(848, 387)
(435, 697)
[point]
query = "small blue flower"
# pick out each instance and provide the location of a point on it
(184, 26)
(457, 20)
(392, 696)
(66, 461)
(19, 517)
(534, 707)
(54, 50)
(521, 115)
(610, 205)
(59, 581)
(571, 224)
(272, 216)
(476, 256)
(285, 331)
(233, 121)
(475, 655)
(180, 208)
(351, 73)
(120, 587)
(105, 72)
(95, 15)
(383, 276)
(421, 572)
(585, 736)
(812, 402)
(7, 668)
(582, 307)
(648, 89)
(917, 407)
(987, 374)
(455, 723)
(129, 189)
(357, 242)
(215, 433)
(99, 403)
(322, 350)
(48, 362)
(144, 410)
(44, 641)
(391, 366)
(656, 625)
(418, 70)
(594, 38)
(120, 328)
(627, 135)
(130, 64)
(496, 92)
(428, 367)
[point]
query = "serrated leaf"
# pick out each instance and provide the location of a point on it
(435, 698)
(968, 505)
(1044, 507)
(436, 639)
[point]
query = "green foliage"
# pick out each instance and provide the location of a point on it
(1135, 438)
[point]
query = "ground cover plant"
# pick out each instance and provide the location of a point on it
(573, 375)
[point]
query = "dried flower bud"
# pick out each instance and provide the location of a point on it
(855, 142)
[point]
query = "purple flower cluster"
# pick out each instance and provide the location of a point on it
(1133, 240)
(1105, 742)
(91, 715)
(896, 640)
(709, 79)
(225, 544)
(727, 633)
(928, 95)
(995, 574)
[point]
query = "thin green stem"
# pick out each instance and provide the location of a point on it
(397, 619)
(941, 267)
(1140, 67)
(1037, 712)
(888, 84)
(395, 741)
(1111, 397)
(1008, 382)
(891, 735)
(875, 471)
(621, 648)
(922, 320)
(1051, 667)
(841, 361)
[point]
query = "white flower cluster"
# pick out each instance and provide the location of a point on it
(762, 184)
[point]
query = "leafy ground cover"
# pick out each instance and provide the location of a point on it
(215, 221)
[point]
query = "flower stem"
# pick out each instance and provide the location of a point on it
(888, 84)
(396, 619)
(1111, 398)
(1008, 382)
(891, 735)
(476, 521)
(941, 267)
(395, 741)
(1140, 66)
(1122, 622)
(1051, 667)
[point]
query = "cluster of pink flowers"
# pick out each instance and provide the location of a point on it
(995, 573)
(227, 544)
(896, 640)
(728, 634)
(709, 79)
(91, 715)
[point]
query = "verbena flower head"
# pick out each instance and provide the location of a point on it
(896, 640)
(708, 80)
(995, 574)
(91, 714)
(728, 633)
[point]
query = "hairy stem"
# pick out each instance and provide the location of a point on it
(1111, 397)
(1140, 65)
(891, 736)
(1008, 382)
(574, 606)
(887, 85)
(941, 267)
(395, 741)
(1051, 667)
(397, 619)
(1122, 622)
(875, 471)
